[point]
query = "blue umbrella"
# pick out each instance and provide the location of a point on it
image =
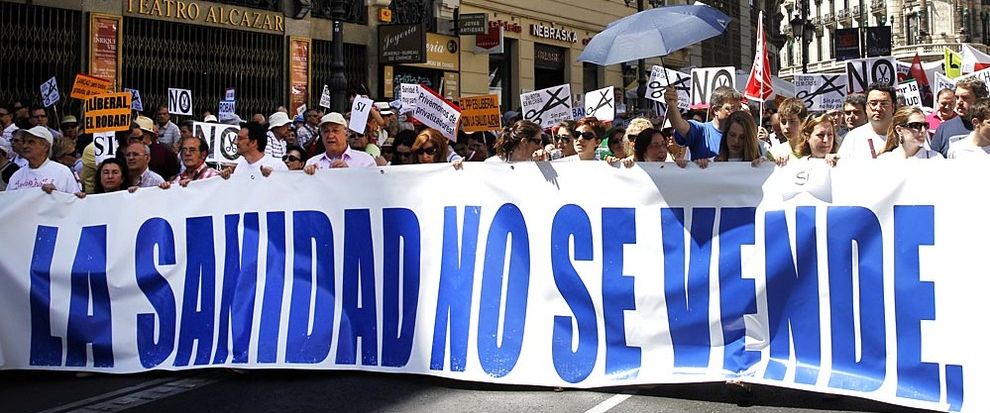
(654, 32)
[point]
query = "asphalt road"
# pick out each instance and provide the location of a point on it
(310, 391)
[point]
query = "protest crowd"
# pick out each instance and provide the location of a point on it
(160, 153)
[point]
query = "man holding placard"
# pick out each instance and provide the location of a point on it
(703, 139)
(968, 90)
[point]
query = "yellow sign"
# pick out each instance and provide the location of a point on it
(108, 113)
(87, 86)
(208, 13)
(953, 64)
(442, 52)
(480, 113)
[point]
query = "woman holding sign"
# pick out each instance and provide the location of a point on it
(907, 136)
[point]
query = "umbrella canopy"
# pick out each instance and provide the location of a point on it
(654, 32)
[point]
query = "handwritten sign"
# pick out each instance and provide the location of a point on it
(360, 109)
(87, 86)
(480, 113)
(108, 112)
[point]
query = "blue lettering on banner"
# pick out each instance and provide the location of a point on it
(737, 294)
(400, 226)
(618, 291)
(792, 296)
(46, 349)
(271, 304)
(89, 279)
(848, 226)
(358, 316)
(687, 302)
(240, 277)
(573, 366)
(303, 346)
(155, 235)
(456, 285)
(198, 302)
(498, 359)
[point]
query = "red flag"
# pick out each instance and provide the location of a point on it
(918, 71)
(759, 87)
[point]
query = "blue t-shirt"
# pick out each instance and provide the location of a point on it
(703, 140)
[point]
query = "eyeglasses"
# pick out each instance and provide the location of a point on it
(292, 158)
(429, 151)
(879, 103)
(917, 126)
(585, 135)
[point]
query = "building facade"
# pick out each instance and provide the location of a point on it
(923, 27)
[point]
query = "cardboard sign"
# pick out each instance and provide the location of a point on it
(943, 82)
(180, 101)
(704, 81)
(229, 94)
(325, 99)
(360, 109)
(910, 92)
(227, 109)
(104, 146)
(135, 100)
(436, 112)
(108, 113)
(480, 113)
(577, 112)
(600, 104)
(301, 109)
(408, 92)
(659, 82)
(863, 72)
(983, 75)
(87, 86)
(49, 92)
(821, 92)
(549, 106)
(222, 140)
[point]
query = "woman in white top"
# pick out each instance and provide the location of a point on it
(907, 136)
(818, 139)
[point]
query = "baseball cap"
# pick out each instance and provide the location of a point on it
(69, 119)
(278, 119)
(145, 123)
(39, 132)
(333, 117)
(210, 118)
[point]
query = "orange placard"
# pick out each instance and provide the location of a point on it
(86, 87)
(480, 113)
(108, 112)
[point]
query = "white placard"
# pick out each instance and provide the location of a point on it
(909, 91)
(227, 109)
(49, 92)
(659, 82)
(222, 139)
(601, 104)
(943, 82)
(135, 100)
(435, 112)
(408, 93)
(360, 109)
(301, 109)
(861, 73)
(229, 94)
(821, 92)
(325, 99)
(705, 80)
(983, 75)
(104, 146)
(549, 106)
(180, 101)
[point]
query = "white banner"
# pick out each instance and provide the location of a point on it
(600, 103)
(705, 80)
(436, 112)
(547, 107)
(861, 73)
(222, 139)
(821, 92)
(909, 90)
(863, 280)
(658, 85)
(943, 82)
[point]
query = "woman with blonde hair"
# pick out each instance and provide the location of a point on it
(908, 135)
(429, 147)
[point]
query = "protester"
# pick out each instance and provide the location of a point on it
(968, 90)
(477, 147)
(254, 162)
(853, 114)
(867, 141)
(69, 127)
(563, 138)
(114, 175)
(64, 152)
(907, 136)
(791, 114)
(624, 149)
(278, 131)
(403, 154)
(194, 151)
(308, 131)
(587, 136)
(518, 143)
(430, 147)
(778, 134)
(138, 155)
(39, 117)
(333, 134)
(295, 157)
(703, 139)
(7, 168)
(7, 125)
(739, 141)
(650, 146)
(362, 142)
(946, 101)
(168, 132)
(164, 161)
(40, 171)
(977, 144)
(818, 139)
(614, 144)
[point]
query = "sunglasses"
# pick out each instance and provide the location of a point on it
(292, 158)
(429, 151)
(564, 138)
(917, 126)
(585, 135)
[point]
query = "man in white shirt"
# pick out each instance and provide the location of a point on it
(254, 162)
(868, 141)
(333, 131)
(977, 144)
(41, 172)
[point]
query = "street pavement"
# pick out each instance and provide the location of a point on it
(220, 390)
